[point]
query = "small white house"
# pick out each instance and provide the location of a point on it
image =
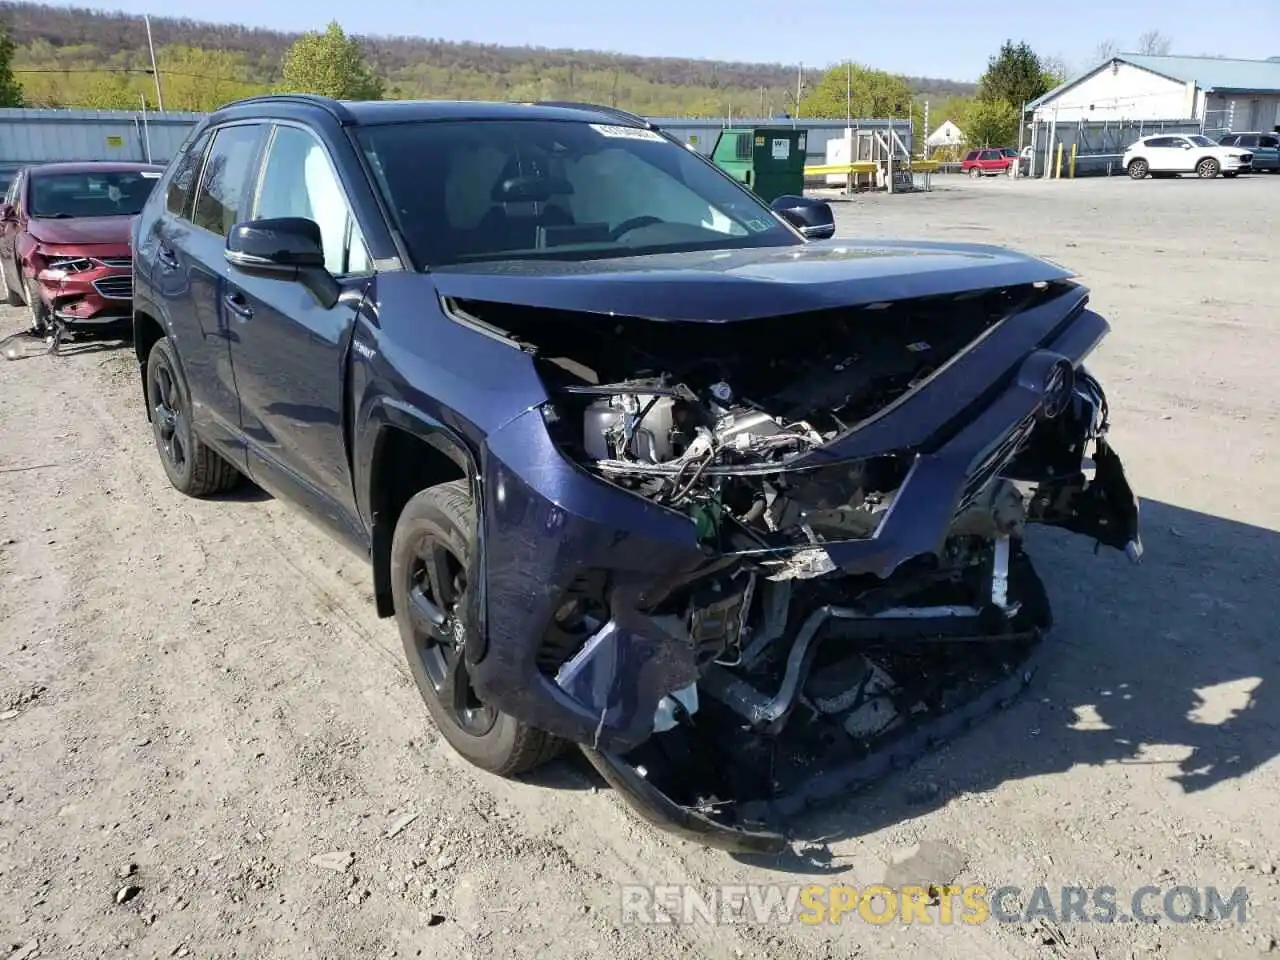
(1223, 94)
(947, 135)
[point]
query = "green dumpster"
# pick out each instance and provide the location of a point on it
(768, 160)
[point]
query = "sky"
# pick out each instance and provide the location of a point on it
(946, 39)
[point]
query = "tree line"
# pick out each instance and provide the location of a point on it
(77, 57)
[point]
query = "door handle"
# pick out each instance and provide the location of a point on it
(237, 304)
(167, 258)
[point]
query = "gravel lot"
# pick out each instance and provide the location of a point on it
(197, 702)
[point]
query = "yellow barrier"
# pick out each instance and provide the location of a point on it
(925, 166)
(836, 169)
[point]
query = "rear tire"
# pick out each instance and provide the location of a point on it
(430, 553)
(192, 467)
(1138, 169)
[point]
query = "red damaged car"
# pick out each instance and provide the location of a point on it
(64, 240)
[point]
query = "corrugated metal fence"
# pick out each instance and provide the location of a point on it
(42, 136)
(1099, 145)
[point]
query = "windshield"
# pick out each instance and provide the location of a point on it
(106, 194)
(471, 191)
(1202, 141)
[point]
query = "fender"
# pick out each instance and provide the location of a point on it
(379, 414)
(141, 304)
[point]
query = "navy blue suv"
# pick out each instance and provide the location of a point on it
(639, 462)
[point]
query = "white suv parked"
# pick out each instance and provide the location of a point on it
(1167, 155)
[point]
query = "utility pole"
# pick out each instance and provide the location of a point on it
(848, 97)
(924, 133)
(762, 114)
(795, 114)
(154, 69)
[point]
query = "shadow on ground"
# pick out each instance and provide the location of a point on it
(1173, 653)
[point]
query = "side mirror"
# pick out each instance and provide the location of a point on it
(283, 248)
(1186, 146)
(811, 217)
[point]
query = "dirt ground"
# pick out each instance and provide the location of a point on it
(200, 715)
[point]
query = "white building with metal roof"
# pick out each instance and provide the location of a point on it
(1221, 94)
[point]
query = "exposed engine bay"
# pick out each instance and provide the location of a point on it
(808, 672)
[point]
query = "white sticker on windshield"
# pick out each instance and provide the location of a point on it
(625, 133)
(150, 174)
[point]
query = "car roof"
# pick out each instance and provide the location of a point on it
(370, 112)
(94, 166)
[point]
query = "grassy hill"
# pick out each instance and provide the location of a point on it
(84, 57)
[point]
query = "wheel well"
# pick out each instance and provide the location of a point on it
(146, 331)
(403, 465)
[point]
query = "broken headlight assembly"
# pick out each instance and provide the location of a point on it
(66, 264)
(722, 461)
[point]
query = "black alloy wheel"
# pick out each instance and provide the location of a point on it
(192, 467)
(430, 554)
(438, 584)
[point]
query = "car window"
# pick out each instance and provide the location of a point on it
(1269, 141)
(497, 189)
(298, 181)
(183, 179)
(1247, 141)
(222, 184)
(1199, 141)
(1229, 140)
(972, 155)
(76, 195)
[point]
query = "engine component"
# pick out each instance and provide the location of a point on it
(630, 425)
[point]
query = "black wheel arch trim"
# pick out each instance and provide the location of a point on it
(373, 425)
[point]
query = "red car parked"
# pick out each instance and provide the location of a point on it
(989, 162)
(64, 240)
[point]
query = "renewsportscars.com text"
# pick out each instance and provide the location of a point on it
(973, 904)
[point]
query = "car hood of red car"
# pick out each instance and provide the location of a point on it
(88, 230)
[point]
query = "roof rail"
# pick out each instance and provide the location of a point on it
(598, 108)
(333, 107)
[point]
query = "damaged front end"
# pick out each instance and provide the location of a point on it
(796, 541)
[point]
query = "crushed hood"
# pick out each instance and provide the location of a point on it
(84, 230)
(725, 285)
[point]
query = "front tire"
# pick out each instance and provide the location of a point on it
(1207, 168)
(192, 467)
(974, 173)
(12, 297)
(430, 553)
(1138, 169)
(38, 309)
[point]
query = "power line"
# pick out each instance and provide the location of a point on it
(144, 71)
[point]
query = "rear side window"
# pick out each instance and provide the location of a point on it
(178, 194)
(1269, 141)
(973, 155)
(225, 178)
(1247, 142)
